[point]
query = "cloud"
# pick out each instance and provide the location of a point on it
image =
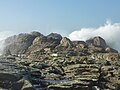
(5, 34)
(109, 31)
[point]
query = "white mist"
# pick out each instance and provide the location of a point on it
(109, 31)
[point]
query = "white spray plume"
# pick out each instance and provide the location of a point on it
(109, 31)
(3, 36)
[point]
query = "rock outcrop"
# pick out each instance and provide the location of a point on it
(65, 42)
(36, 44)
(97, 41)
(44, 44)
(98, 44)
(108, 50)
(54, 36)
(18, 44)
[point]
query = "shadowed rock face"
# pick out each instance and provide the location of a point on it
(7, 80)
(40, 43)
(65, 42)
(97, 41)
(108, 49)
(12, 82)
(75, 43)
(10, 77)
(54, 36)
(18, 44)
(98, 44)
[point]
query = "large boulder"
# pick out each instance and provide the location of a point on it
(66, 42)
(98, 45)
(108, 49)
(18, 44)
(39, 40)
(40, 44)
(97, 41)
(34, 33)
(51, 40)
(54, 36)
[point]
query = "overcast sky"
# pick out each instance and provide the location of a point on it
(62, 16)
